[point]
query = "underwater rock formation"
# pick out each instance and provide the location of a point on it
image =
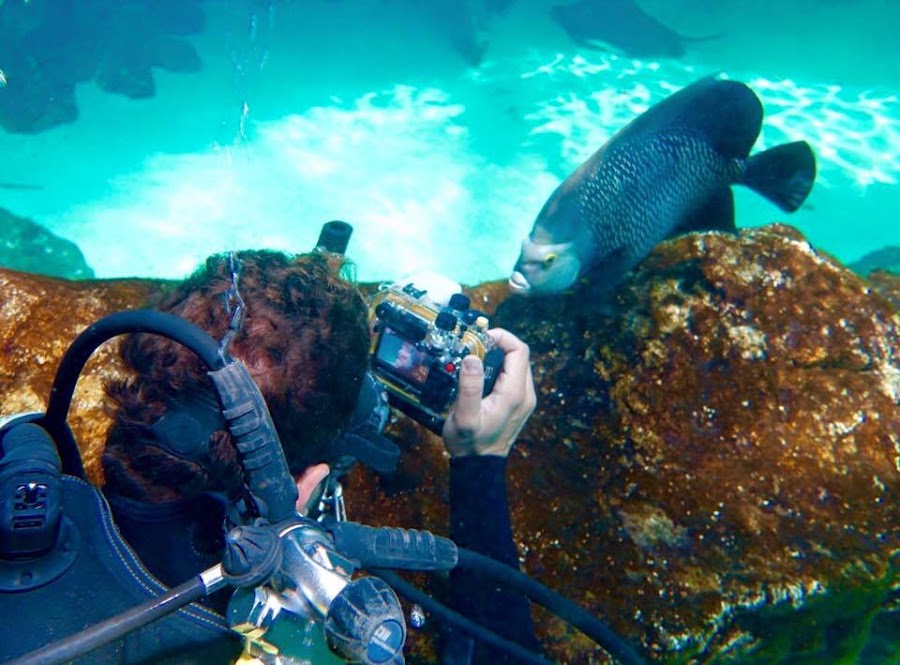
(887, 284)
(127, 70)
(886, 258)
(713, 472)
(39, 318)
(29, 247)
(47, 47)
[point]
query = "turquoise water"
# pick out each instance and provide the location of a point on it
(363, 111)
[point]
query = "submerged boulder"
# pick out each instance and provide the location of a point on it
(47, 48)
(39, 318)
(713, 471)
(29, 247)
(139, 46)
(887, 284)
(886, 259)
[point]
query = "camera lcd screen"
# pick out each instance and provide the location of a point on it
(402, 358)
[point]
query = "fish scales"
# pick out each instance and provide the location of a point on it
(650, 186)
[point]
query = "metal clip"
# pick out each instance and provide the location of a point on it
(331, 503)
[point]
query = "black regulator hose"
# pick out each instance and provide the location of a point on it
(511, 578)
(136, 321)
(96, 636)
(561, 606)
(445, 614)
(377, 549)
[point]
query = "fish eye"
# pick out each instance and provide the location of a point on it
(548, 260)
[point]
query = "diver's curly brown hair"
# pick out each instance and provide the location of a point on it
(304, 339)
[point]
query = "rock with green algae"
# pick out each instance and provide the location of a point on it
(29, 247)
(714, 472)
(886, 259)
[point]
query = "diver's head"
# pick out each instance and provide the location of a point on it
(303, 337)
(545, 268)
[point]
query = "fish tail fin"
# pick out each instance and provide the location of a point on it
(784, 174)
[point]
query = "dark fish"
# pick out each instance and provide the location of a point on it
(668, 171)
(622, 25)
(20, 186)
(466, 24)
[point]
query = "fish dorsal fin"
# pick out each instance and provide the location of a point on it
(727, 113)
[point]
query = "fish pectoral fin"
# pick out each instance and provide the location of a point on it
(716, 214)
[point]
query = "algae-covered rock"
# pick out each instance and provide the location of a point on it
(39, 318)
(887, 284)
(714, 471)
(29, 247)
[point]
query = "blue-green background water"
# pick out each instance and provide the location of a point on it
(362, 110)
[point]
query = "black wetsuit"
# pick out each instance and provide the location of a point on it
(479, 521)
(165, 537)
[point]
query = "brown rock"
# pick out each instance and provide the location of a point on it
(40, 317)
(887, 284)
(715, 471)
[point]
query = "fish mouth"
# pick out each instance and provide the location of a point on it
(518, 283)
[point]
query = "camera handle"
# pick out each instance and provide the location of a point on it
(493, 363)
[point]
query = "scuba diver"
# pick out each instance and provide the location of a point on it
(304, 338)
(248, 397)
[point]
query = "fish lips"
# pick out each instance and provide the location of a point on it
(518, 283)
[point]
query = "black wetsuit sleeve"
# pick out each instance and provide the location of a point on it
(479, 521)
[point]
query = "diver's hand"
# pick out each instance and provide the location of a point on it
(489, 426)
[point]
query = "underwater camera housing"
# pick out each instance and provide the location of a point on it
(418, 345)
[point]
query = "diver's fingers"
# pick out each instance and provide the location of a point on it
(530, 392)
(505, 339)
(308, 485)
(516, 375)
(466, 413)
